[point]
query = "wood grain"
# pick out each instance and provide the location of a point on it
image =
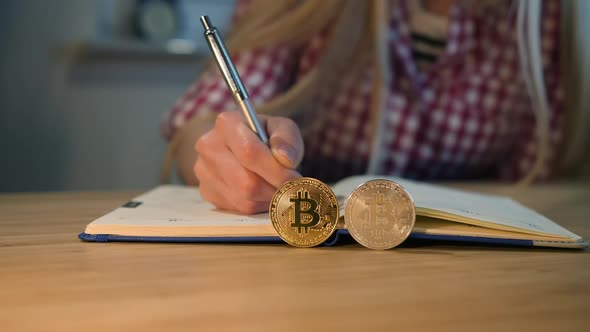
(50, 281)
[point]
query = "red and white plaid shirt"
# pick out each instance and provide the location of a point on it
(468, 115)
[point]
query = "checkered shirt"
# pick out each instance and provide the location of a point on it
(468, 115)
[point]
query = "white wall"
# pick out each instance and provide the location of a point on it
(85, 126)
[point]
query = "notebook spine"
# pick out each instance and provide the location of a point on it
(101, 238)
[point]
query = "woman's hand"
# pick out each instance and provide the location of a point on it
(237, 171)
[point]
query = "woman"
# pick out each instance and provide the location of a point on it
(420, 89)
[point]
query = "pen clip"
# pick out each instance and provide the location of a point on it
(222, 58)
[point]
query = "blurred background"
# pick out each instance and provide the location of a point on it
(83, 84)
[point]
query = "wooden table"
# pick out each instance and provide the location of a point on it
(51, 281)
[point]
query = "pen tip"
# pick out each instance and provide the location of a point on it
(206, 22)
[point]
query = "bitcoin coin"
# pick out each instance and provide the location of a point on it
(304, 212)
(379, 214)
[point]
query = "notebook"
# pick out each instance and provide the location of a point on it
(172, 213)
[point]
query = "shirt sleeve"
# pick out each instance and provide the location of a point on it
(265, 72)
(526, 148)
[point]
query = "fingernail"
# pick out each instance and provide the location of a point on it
(286, 151)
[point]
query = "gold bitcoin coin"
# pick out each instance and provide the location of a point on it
(379, 214)
(304, 212)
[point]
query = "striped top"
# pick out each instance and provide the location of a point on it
(429, 34)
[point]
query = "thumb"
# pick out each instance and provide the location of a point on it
(285, 141)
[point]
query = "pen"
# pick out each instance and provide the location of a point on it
(231, 77)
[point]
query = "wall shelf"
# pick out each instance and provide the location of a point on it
(93, 50)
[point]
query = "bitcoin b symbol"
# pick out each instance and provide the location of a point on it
(381, 214)
(306, 214)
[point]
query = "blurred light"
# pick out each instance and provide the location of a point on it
(181, 46)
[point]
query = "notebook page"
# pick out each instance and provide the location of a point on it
(438, 201)
(171, 205)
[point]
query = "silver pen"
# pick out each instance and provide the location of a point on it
(232, 78)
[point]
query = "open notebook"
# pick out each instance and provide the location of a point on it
(178, 214)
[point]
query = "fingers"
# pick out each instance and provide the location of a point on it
(210, 195)
(286, 143)
(217, 168)
(211, 191)
(237, 171)
(250, 152)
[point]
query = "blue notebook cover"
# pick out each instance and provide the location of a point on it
(340, 237)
